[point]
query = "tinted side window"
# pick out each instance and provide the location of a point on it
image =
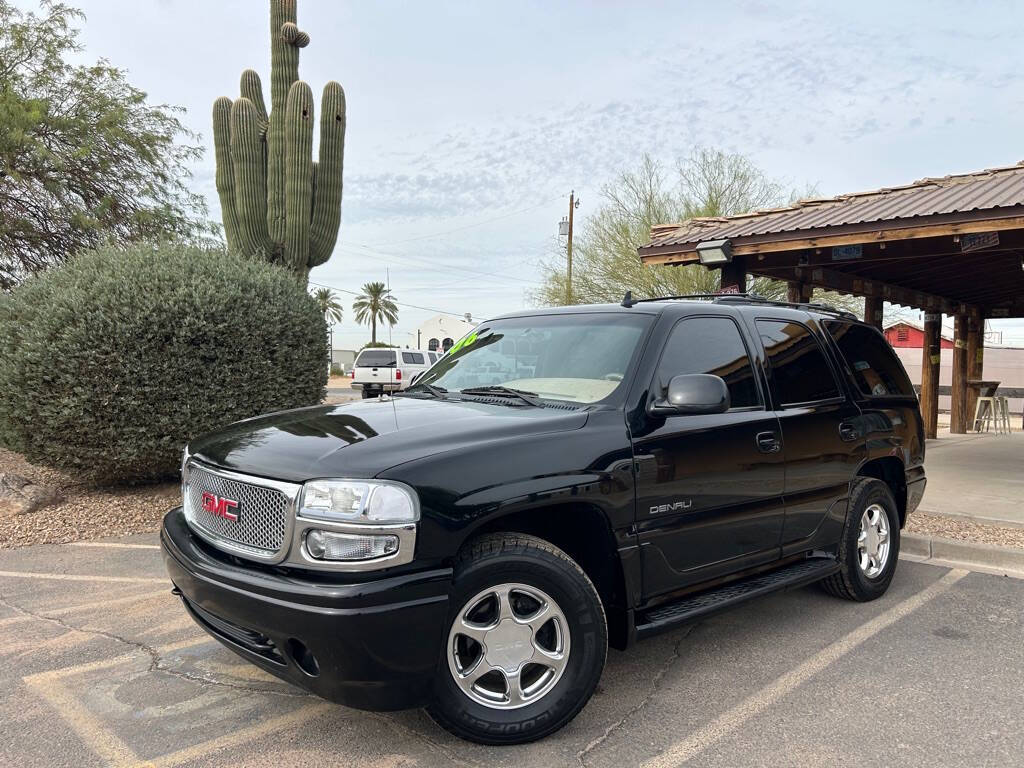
(711, 345)
(875, 367)
(412, 358)
(800, 372)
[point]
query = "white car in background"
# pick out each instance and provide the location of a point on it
(379, 370)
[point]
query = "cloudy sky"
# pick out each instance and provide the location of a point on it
(469, 122)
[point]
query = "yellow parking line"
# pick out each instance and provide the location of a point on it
(729, 721)
(83, 577)
(65, 610)
(302, 715)
(101, 740)
(107, 603)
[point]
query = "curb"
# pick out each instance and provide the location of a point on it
(986, 558)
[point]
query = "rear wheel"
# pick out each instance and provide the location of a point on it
(870, 543)
(526, 643)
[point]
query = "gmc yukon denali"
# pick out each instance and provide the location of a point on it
(563, 480)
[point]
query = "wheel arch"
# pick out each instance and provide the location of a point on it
(584, 533)
(890, 470)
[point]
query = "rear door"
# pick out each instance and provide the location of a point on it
(822, 430)
(709, 487)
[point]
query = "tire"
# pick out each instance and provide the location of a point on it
(854, 581)
(531, 572)
(366, 395)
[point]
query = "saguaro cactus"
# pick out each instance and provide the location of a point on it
(277, 203)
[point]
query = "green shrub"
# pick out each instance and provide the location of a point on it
(110, 363)
(337, 369)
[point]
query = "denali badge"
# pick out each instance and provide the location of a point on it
(220, 506)
(676, 506)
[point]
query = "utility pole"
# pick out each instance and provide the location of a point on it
(568, 248)
(565, 228)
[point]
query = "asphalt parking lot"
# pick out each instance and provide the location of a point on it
(101, 666)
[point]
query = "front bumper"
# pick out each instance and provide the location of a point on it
(370, 645)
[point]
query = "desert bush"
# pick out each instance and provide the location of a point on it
(110, 363)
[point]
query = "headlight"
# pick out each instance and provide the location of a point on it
(359, 501)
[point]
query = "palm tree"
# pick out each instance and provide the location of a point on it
(329, 305)
(331, 309)
(373, 304)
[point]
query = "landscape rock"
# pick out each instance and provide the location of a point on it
(20, 496)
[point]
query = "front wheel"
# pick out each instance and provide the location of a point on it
(870, 544)
(526, 643)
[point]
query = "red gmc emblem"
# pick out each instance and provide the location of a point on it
(220, 506)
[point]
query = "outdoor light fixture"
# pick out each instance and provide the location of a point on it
(713, 253)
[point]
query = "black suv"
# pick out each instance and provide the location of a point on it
(561, 481)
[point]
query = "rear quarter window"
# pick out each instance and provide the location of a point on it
(874, 366)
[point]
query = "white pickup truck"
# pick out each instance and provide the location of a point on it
(377, 370)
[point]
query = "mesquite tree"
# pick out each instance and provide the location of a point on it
(277, 203)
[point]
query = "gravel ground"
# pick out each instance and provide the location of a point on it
(945, 527)
(87, 512)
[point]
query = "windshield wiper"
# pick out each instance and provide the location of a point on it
(530, 398)
(438, 392)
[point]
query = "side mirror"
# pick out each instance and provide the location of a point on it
(693, 393)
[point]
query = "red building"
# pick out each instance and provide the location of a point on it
(904, 334)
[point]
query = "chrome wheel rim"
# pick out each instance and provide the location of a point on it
(508, 646)
(873, 541)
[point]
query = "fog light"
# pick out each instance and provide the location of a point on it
(324, 545)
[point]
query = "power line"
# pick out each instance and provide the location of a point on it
(399, 303)
(468, 226)
(417, 261)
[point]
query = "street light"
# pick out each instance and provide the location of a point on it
(714, 253)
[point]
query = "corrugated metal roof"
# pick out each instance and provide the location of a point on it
(983, 190)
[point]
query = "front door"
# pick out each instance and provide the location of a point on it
(709, 487)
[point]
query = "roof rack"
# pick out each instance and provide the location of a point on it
(743, 298)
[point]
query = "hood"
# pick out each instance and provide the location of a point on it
(366, 438)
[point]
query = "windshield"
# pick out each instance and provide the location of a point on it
(582, 358)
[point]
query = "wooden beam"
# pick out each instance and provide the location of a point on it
(975, 361)
(734, 276)
(798, 293)
(873, 311)
(958, 405)
(685, 253)
(931, 357)
(834, 280)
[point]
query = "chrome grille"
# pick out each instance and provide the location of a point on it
(262, 512)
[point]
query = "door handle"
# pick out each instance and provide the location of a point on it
(767, 442)
(847, 432)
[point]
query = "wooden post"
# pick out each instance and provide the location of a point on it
(798, 293)
(734, 276)
(975, 357)
(873, 311)
(930, 360)
(958, 408)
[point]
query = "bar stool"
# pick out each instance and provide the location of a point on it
(985, 413)
(1003, 414)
